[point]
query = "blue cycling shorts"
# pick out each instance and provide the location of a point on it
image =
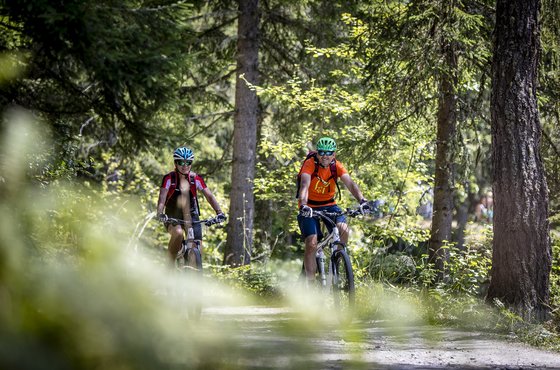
(311, 226)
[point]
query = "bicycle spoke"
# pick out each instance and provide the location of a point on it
(343, 283)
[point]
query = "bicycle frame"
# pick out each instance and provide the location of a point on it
(339, 279)
(188, 244)
(332, 242)
(190, 250)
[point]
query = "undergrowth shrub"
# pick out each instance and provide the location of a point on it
(394, 268)
(555, 284)
(390, 253)
(253, 278)
(468, 270)
(399, 255)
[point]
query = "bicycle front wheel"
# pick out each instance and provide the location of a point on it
(344, 291)
(193, 256)
(195, 309)
(197, 259)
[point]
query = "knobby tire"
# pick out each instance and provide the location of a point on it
(194, 310)
(344, 291)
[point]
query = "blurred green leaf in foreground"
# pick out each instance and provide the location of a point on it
(73, 293)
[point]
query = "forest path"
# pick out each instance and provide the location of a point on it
(275, 337)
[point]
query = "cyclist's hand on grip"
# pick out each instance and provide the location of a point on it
(365, 207)
(305, 211)
(162, 217)
(220, 217)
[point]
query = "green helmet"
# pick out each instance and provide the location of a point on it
(326, 143)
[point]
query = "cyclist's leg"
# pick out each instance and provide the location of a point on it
(344, 231)
(309, 228)
(175, 232)
(175, 240)
(340, 224)
(309, 256)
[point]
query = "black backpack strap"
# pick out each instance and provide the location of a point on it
(316, 160)
(173, 176)
(334, 175)
(193, 194)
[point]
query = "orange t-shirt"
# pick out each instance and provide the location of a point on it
(322, 187)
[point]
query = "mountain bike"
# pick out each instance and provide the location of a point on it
(190, 248)
(337, 276)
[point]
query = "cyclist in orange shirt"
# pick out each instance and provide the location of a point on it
(316, 192)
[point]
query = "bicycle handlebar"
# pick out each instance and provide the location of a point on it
(374, 211)
(349, 212)
(208, 222)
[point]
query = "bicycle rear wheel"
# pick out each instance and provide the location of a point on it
(344, 291)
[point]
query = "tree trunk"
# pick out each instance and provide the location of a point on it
(521, 259)
(462, 220)
(442, 218)
(464, 208)
(240, 227)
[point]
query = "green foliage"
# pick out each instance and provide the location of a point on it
(388, 253)
(549, 101)
(469, 270)
(112, 62)
(76, 215)
(555, 279)
(378, 88)
(386, 248)
(444, 308)
(395, 268)
(400, 256)
(75, 292)
(544, 335)
(405, 306)
(253, 278)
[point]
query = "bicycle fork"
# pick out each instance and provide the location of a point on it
(186, 246)
(327, 277)
(320, 258)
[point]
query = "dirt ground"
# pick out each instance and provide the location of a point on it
(273, 338)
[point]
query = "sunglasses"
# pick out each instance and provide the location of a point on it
(323, 152)
(183, 163)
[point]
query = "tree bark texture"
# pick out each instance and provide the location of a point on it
(521, 259)
(444, 185)
(240, 227)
